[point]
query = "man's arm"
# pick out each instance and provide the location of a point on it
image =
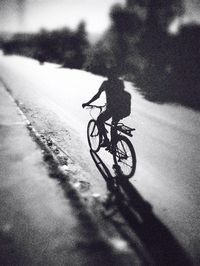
(95, 97)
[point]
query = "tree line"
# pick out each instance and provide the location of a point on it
(164, 66)
(62, 46)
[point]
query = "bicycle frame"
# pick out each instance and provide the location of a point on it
(120, 147)
(100, 107)
(114, 128)
(121, 128)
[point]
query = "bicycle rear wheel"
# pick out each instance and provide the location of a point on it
(124, 157)
(93, 136)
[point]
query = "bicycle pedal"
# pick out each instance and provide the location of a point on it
(116, 167)
(105, 144)
(109, 148)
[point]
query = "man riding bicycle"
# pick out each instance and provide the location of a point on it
(118, 103)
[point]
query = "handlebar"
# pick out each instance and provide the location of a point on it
(90, 106)
(120, 126)
(95, 106)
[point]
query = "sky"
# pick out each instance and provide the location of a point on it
(32, 15)
(193, 10)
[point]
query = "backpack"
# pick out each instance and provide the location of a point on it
(124, 105)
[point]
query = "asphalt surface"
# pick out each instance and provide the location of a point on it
(166, 141)
(42, 220)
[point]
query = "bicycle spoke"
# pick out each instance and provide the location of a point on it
(93, 135)
(127, 164)
(124, 157)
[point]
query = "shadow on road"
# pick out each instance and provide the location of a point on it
(156, 238)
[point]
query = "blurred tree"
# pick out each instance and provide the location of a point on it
(186, 65)
(146, 22)
(138, 35)
(125, 29)
(100, 57)
(79, 45)
(59, 46)
(165, 67)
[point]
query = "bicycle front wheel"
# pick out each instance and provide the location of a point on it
(94, 138)
(124, 157)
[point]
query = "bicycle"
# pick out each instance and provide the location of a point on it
(120, 147)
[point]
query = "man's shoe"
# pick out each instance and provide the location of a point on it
(105, 143)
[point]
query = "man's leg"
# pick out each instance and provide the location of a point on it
(115, 121)
(100, 121)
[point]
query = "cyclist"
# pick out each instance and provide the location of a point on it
(117, 103)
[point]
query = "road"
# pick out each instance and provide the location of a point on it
(166, 140)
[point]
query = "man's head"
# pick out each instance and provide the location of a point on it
(112, 73)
